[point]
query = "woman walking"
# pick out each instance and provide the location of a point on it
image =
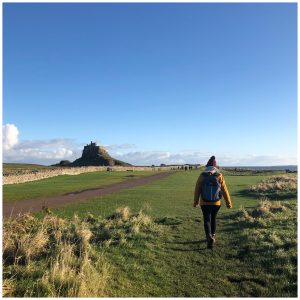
(210, 188)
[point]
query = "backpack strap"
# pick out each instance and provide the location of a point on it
(209, 174)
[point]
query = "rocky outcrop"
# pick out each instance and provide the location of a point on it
(93, 155)
(63, 163)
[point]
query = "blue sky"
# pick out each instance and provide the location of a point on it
(155, 83)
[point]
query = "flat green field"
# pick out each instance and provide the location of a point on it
(253, 256)
(169, 197)
(66, 183)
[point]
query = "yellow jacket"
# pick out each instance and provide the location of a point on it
(197, 194)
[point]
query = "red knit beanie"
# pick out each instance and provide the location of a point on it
(211, 162)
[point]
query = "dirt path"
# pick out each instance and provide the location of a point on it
(33, 205)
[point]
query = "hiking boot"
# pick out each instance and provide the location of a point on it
(210, 242)
(213, 236)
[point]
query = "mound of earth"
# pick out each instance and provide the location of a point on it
(93, 155)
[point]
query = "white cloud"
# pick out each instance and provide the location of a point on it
(63, 153)
(52, 151)
(37, 151)
(162, 157)
(264, 160)
(43, 155)
(10, 134)
(117, 147)
(190, 157)
(26, 153)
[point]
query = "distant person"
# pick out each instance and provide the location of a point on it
(210, 188)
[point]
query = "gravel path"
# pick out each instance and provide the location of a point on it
(33, 205)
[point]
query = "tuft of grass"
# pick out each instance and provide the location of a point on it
(8, 287)
(265, 213)
(122, 226)
(121, 214)
(276, 183)
(70, 275)
(70, 253)
(23, 240)
(271, 241)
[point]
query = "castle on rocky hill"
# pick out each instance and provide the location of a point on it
(93, 155)
(92, 150)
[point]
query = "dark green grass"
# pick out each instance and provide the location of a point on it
(176, 263)
(66, 183)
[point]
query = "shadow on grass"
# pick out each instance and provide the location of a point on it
(188, 243)
(274, 195)
(242, 279)
(239, 226)
(187, 250)
(228, 216)
(251, 252)
(291, 288)
(168, 221)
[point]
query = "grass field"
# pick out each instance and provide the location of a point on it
(156, 248)
(13, 168)
(66, 183)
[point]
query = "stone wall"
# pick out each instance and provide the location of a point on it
(42, 174)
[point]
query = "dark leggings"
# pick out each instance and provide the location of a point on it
(209, 214)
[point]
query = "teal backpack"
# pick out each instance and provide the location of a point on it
(211, 188)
